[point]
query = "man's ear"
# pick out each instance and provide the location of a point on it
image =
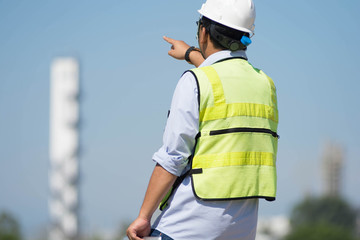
(203, 35)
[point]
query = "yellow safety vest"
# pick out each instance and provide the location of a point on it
(235, 154)
(235, 151)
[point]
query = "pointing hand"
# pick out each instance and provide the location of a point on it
(178, 48)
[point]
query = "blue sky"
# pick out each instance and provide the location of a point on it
(309, 48)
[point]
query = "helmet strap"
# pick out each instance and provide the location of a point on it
(226, 42)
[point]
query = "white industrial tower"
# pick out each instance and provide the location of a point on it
(64, 150)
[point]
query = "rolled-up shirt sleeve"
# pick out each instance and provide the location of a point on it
(181, 128)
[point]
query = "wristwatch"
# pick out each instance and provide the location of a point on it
(187, 54)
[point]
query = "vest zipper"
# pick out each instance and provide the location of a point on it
(235, 130)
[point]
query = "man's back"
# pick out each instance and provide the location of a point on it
(186, 217)
(218, 171)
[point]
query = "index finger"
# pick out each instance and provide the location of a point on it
(169, 40)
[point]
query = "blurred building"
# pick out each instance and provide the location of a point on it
(64, 150)
(332, 166)
(272, 228)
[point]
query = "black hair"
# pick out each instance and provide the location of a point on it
(218, 31)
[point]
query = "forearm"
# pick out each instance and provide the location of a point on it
(159, 184)
(196, 58)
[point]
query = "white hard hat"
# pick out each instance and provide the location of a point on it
(236, 14)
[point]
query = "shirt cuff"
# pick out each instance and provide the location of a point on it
(174, 164)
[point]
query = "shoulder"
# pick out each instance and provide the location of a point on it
(188, 81)
(188, 75)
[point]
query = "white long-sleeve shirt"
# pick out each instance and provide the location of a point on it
(186, 217)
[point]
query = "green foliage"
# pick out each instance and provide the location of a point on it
(9, 227)
(332, 210)
(330, 218)
(320, 231)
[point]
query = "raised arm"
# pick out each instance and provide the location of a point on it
(179, 48)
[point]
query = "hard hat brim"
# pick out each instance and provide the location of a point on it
(226, 23)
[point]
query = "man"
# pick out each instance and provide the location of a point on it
(220, 142)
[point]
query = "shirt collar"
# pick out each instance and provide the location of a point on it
(213, 58)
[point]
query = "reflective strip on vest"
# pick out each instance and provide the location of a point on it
(234, 159)
(223, 110)
(235, 155)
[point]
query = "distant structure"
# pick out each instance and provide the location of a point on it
(273, 228)
(64, 150)
(333, 160)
